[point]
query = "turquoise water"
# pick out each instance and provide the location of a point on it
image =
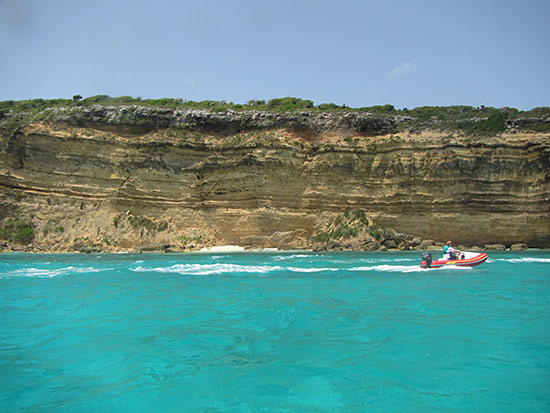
(273, 332)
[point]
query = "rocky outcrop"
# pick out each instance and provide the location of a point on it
(141, 119)
(108, 178)
(527, 122)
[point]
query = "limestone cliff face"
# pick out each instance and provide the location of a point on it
(264, 181)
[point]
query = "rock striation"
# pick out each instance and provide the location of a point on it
(131, 177)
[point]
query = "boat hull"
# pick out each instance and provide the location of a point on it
(471, 261)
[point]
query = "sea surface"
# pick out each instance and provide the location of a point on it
(274, 332)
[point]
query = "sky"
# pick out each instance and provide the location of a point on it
(358, 53)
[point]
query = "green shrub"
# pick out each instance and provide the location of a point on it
(162, 226)
(24, 235)
(109, 242)
(17, 231)
(97, 100)
(385, 109)
(543, 127)
(448, 117)
(255, 102)
(337, 221)
(13, 124)
(538, 112)
(322, 237)
(345, 231)
(375, 231)
(359, 215)
(136, 222)
(494, 123)
(328, 106)
(376, 234)
(186, 240)
(289, 103)
(143, 222)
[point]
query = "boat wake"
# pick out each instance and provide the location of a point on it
(404, 268)
(209, 269)
(525, 260)
(221, 268)
(298, 264)
(391, 268)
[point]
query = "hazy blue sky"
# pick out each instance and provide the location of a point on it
(359, 53)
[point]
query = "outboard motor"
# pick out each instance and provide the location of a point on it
(426, 260)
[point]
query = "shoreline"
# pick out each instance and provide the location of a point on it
(230, 249)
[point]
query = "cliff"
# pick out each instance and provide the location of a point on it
(130, 177)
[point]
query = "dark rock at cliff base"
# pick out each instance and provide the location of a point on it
(390, 243)
(495, 247)
(155, 246)
(334, 245)
(85, 247)
(372, 246)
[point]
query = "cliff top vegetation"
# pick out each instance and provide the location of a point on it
(478, 120)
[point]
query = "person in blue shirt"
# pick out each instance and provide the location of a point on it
(449, 252)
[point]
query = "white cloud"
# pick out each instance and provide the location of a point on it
(402, 70)
(191, 81)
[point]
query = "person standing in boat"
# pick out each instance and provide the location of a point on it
(449, 252)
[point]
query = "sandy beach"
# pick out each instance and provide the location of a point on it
(223, 248)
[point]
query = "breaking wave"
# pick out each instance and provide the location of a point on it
(312, 269)
(293, 257)
(48, 273)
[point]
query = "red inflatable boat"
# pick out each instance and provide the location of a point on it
(467, 259)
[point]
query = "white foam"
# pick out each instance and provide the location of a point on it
(525, 259)
(37, 272)
(382, 260)
(404, 268)
(219, 268)
(50, 273)
(208, 269)
(298, 269)
(293, 256)
(455, 268)
(86, 269)
(389, 268)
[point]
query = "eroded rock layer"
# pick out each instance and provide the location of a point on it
(92, 181)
